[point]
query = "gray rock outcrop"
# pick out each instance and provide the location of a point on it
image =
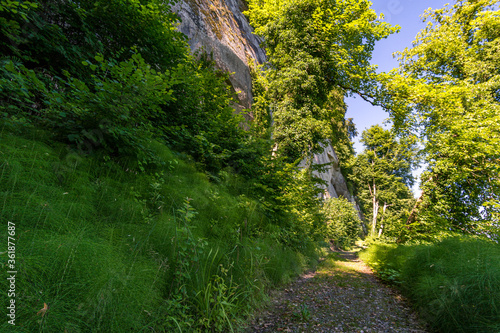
(335, 183)
(219, 28)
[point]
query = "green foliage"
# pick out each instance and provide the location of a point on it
(313, 64)
(290, 198)
(318, 51)
(119, 103)
(110, 246)
(446, 90)
(109, 88)
(454, 283)
(343, 225)
(19, 92)
(383, 176)
(57, 35)
(380, 256)
(216, 302)
(201, 121)
(303, 314)
(202, 296)
(67, 252)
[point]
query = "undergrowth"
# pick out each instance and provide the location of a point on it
(454, 283)
(112, 247)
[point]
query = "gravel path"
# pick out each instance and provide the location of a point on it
(341, 296)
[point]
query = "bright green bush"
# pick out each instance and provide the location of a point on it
(111, 246)
(454, 283)
(118, 233)
(342, 222)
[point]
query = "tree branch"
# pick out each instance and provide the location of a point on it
(360, 94)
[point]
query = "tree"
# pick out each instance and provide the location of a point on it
(342, 222)
(383, 177)
(59, 34)
(447, 90)
(318, 52)
(121, 69)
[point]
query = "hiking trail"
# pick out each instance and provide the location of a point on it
(342, 295)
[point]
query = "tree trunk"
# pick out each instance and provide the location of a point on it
(382, 220)
(375, 209)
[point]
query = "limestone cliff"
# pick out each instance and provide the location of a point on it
(336, 185)
(220, 28)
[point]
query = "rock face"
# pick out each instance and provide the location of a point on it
(336, 185)
(220, 28)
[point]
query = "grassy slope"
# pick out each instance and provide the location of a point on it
(454, 283)
(110, 248)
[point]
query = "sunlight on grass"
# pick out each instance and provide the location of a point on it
(115, 250)
(454, 283)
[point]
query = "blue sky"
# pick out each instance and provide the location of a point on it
(406, 14)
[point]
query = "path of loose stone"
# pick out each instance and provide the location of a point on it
(341, 296)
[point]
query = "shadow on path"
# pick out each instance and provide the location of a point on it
(342, 295)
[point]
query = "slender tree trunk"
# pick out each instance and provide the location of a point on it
(375, 209)
(382, 220)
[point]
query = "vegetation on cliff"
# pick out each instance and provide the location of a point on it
(443, 98)
(318, 53)
(142, 202)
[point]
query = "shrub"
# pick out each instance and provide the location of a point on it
(342, 222)
(111, 246)
(454, 283)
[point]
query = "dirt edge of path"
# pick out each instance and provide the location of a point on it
(342, 295)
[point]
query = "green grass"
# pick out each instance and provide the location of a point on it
(454, 283)
(113, 248)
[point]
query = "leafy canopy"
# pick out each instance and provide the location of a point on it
(383, 175)
(447, 90)
(318, 51)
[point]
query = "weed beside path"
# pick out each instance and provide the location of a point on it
(341, 296)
